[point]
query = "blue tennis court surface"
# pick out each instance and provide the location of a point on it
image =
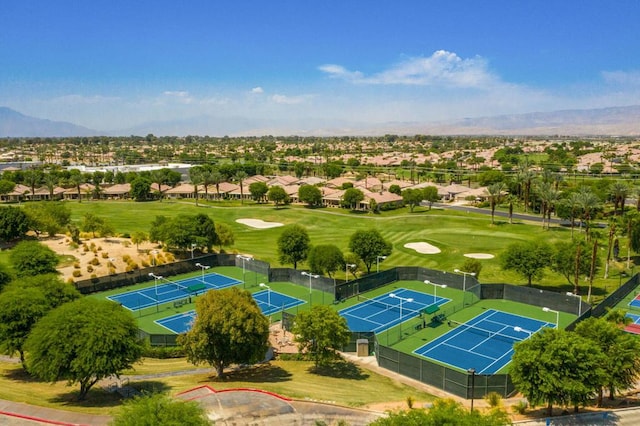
(635, 318)
(388, 310)
(268, 303)
(635, 302)
(168, 291)
(485, 343)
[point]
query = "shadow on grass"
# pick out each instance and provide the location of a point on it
(96, 397)
(20, 375)
(340, 369)
(150, 386)
(256, 374)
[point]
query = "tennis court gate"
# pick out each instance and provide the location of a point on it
(442, 377)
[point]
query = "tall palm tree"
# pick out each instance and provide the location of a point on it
(195, 176)
(525, 178)
(241, 175)
(77, 180)
(207, 179)
(495, 191)
(511, 200)
(217, 179)
(619, 192)
(50, 181)
(589, 202)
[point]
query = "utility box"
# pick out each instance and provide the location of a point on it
(362, 347)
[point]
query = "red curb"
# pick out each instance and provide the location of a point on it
(37, 419)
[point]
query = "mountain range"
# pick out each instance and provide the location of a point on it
(612, 121)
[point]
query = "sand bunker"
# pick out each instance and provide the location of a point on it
(259, 224)
(479, 255)
(423, 248)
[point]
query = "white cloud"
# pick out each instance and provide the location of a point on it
(289, 100)
(257, 90)
(181, 96)
(443, 68)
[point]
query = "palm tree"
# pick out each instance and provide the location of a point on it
(589, 202)
(495, 192)
(217, 179)
(573, 204)
(619, 191)
(511, 200)
(207, 179)
(51, 181)
(525, 178)
(195, 176)
(77, 179)
(241, 175)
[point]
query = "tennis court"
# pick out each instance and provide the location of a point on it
(268, 301)
(484, 343)
(166, 290)
(634, 327)
(390, 309)
(635, 302)
(271, 301)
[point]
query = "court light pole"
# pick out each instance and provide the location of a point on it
(307, 274)
(203, 267)
(464, 277)
(193, 247)
(472, 371)
(346, 270)
(401, 299)
(378, 262)
(239, 256)
(557, 315)
(263, 285)
(522, 330)
(435, 287)
(153, 257)
(579, 302)
(155, 285)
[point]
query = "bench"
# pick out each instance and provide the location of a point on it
(440, 318)
(431, 309)
(180, 303)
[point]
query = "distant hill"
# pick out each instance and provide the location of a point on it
(614, 121)
(15, 124)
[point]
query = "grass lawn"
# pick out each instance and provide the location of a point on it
(454, 233)
(346, 384)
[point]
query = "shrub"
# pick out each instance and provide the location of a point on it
(144, 264)
(89, 268)
(494, 399)
(112, 271)
(105, 255)
(163, 352)
(126, 258)
(410, 402)
(520, 407)
(76, 265)
(77, 273)
(70, 280)
(95, 261)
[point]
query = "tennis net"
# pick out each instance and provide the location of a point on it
(489, 334)
(404, 312)
(173, 286)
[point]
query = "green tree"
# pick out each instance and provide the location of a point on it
(395, 189)
(20, 309)
(32, 258)
(495, 193)
(204, 231)
(622, 354)
(310, 194)
(49, 217)
(229, 329)
(430, 194)
(278, 195)
(5, 275)
(293, 245)
(159, 409)
(572, 259)
(83, 342)
(240, 176)
(321, 332)
(527, 258)
(368, 245)
(140, 189)
(258, 191)
(556, 367)
(325, 259)
(139, 237)
(6, 186)
(473, 266)
(195, 176)
(92, 223)
(24, 302)
(351, 198)
(224, 235)
(14, 223)
(412, 197)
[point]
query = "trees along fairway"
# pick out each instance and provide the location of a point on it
(229, 329)
(83, 342)
(321, 332)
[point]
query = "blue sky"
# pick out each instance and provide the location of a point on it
(111, 65)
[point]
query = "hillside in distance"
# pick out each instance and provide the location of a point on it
(15, 124)
(613, 121)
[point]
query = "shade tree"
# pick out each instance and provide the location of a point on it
(325, 259)
(369, 245)
(321, 332)
(229, 329)
(293, 245)
(83, 342)
(528, 259)
(32, 258)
